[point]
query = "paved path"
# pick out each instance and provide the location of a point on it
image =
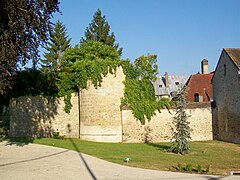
(33, 162)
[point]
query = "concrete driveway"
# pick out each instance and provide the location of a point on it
(33, 162)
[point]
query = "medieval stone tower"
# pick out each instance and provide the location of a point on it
(100, 114)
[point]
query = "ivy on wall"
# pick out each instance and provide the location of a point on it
(139, 92)
(92, 60)
(88, 62)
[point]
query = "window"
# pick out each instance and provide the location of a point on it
(196, 97)
(224, 70)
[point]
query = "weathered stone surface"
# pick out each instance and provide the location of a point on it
(100, 117)
(159, 128)
(100, 109)
(36, 116)
(226, 111)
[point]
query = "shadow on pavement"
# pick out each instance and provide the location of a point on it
(80, 155)
(34, 159)
(19, 141)
(82, 158)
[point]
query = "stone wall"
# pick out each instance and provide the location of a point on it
(159, 128)
(37, 116)
(100, 117)
(100, 109)
(100, 114)
(226, 96)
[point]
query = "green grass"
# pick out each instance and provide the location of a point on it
(222, 157)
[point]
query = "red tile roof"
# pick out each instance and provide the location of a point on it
(199, 84)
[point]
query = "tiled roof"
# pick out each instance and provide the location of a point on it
(234, 54)
(174, 82)
(200, 84)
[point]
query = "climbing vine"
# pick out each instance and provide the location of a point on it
(139, 92)
(92, 60)
(89, 61)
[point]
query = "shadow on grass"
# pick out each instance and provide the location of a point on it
(19, 141)
(159, 146)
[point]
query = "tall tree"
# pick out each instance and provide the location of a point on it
(58, 43)
(181, 132)
(99, 30)
(24, 26)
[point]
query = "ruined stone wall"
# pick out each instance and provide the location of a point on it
(100, 115)
(226, 96)
(100, 109)
(159, 128)
(37, 116)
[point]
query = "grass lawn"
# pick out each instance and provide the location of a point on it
(222, 157)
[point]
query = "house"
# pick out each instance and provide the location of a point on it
(167, 86)
(199, 87)
(226, 96)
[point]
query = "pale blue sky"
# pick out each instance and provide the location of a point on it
(180, 32)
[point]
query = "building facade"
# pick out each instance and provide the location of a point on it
(226, 96)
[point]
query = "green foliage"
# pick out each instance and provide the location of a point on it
(58, 43)
(146, 67)
(56, 135)
(139, 92)
(199, 168)
(24, 27)
(33, 82)
(181, 134)
(27, 83)
(188, 168)
(99, 30)
(87, 62)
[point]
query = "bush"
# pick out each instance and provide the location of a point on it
(199, 168)
(188, 168)
(56, 135)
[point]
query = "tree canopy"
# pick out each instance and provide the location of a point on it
(24, 26)
(99, 30)
(58, 43)
(146, 67)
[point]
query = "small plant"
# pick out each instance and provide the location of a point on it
(188, 168)
(56, 135)
(179, 167)
(199, 168)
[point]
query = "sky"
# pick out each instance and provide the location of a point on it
(180, 32)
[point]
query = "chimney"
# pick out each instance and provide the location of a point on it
(204, 64)
(166, 79)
